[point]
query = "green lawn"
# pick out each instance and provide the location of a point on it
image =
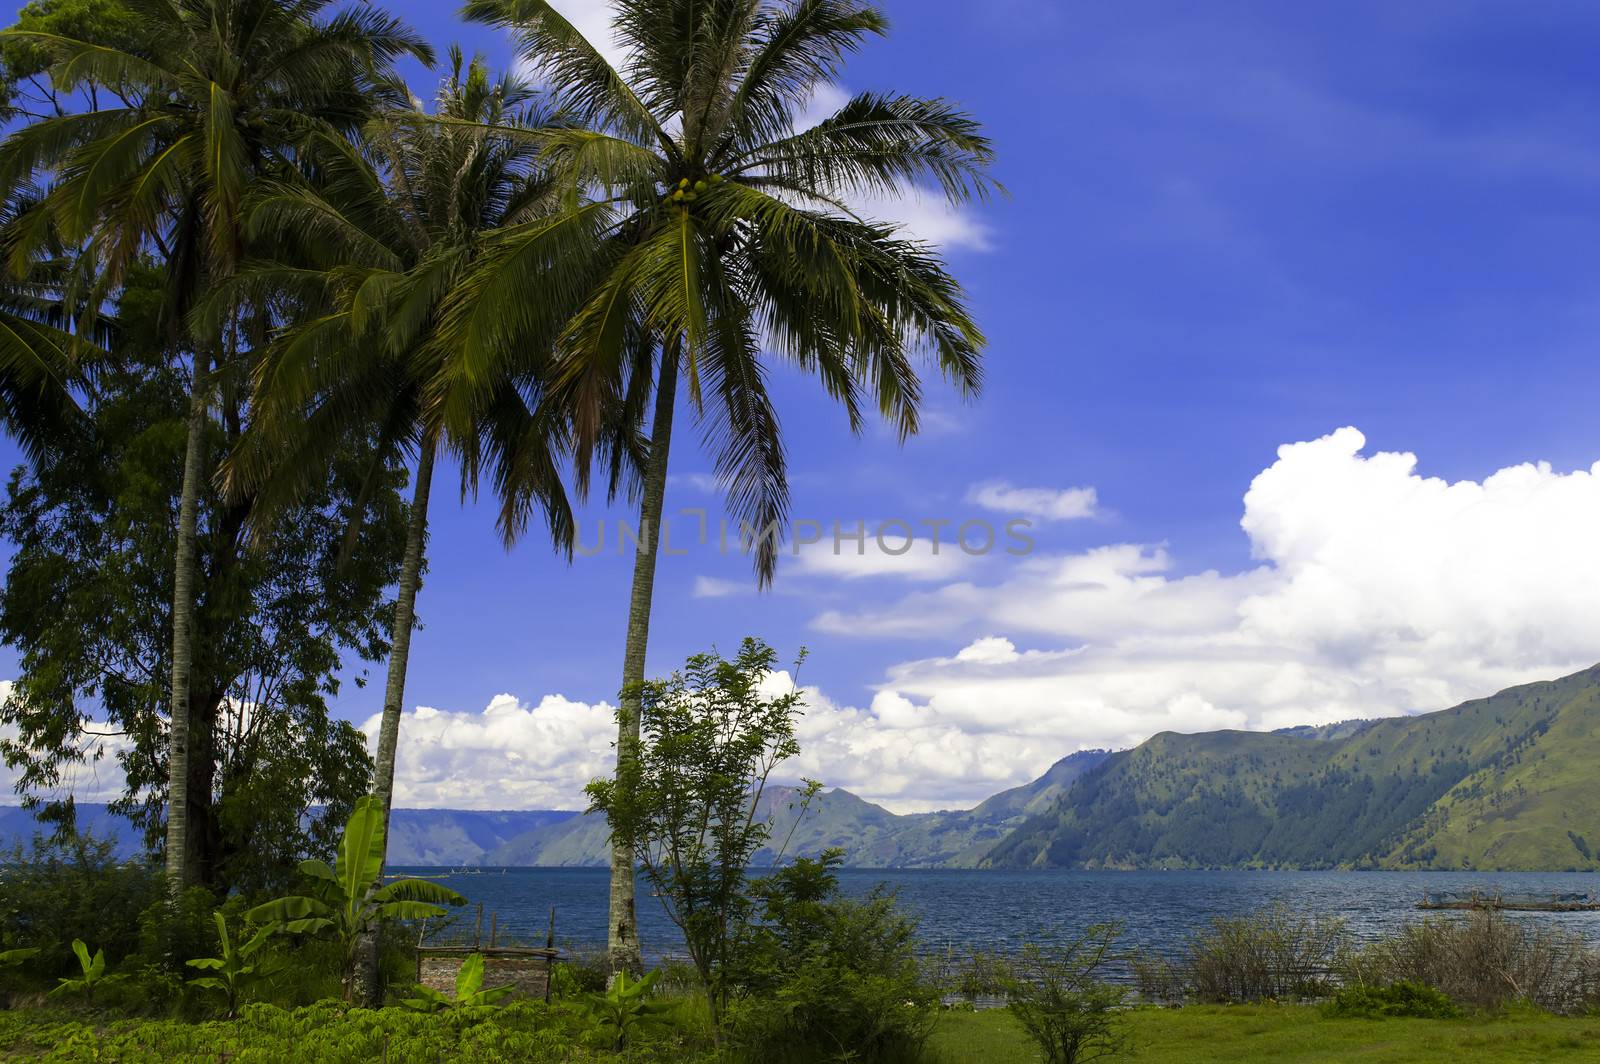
(1270, 1033)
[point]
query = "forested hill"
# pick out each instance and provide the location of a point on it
(1506, 782)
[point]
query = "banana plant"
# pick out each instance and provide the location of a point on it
(469, 990)
(11, 957)
(347, 899)
(624, 1011)
(235, 969)
(94, 973)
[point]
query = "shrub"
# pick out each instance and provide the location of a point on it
(1486, 960)
(1158, 980)
(329, 1032)
(583, 972)
(72, 888)
(1380, 1002)
(828, 978)
(172, 932)
(1058, 996)
(1273, 954)
(974, 975)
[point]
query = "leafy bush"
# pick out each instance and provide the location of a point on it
(329, 1032)
(619, 1017)
(710, 736)
(583, 972)
(1273, 954)
(1486, 960)
(1058, 996)
(1158, 979)
(973, 975)
(1380, 1002)
(170, 932)
(828, 978)
(72, 888)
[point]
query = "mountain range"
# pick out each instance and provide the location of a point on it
(1507, 782)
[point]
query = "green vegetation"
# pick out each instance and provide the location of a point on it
(686, 803)
(1060, 997)
(470, 991)
(1398, 999)
(236, 971)
(528, 1032)
(1503, 782)
(92, 974)
(351, 898)
(1290, 1034)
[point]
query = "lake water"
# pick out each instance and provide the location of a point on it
(997, 910)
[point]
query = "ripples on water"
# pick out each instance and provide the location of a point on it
(999, 910)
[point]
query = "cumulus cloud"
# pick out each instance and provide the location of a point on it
(509, 756)
(1042, 504)
(1379, 591)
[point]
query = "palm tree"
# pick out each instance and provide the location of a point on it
(221, 92)
(724, 243)
(41, 357)
(373, 240)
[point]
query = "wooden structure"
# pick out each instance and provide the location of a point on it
(1539, 903)
(524, 968)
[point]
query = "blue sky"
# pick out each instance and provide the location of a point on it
(1229, 227)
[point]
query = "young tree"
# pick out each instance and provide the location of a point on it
(1059, 995)
(725, 243)
(689, 803)
(163, 114)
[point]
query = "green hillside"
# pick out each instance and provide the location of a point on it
(869, 835)
(1506, 782)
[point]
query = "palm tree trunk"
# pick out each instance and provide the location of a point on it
(177, 858)
(622, 937)
(368, 993)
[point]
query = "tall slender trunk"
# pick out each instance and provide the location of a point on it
(367, 990)
(622, 937)
(183, 607)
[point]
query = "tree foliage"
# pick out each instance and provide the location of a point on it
(712, 735)
(86, 602)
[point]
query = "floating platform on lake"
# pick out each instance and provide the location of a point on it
(1534, 903)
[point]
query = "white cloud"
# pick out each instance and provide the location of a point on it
(510, 756)
(716, 587)
(885, 549)
(1044, 504)
(1379, 592)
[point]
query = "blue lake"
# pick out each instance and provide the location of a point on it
(1000, 909)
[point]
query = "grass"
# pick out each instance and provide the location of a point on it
(1199, 1034)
